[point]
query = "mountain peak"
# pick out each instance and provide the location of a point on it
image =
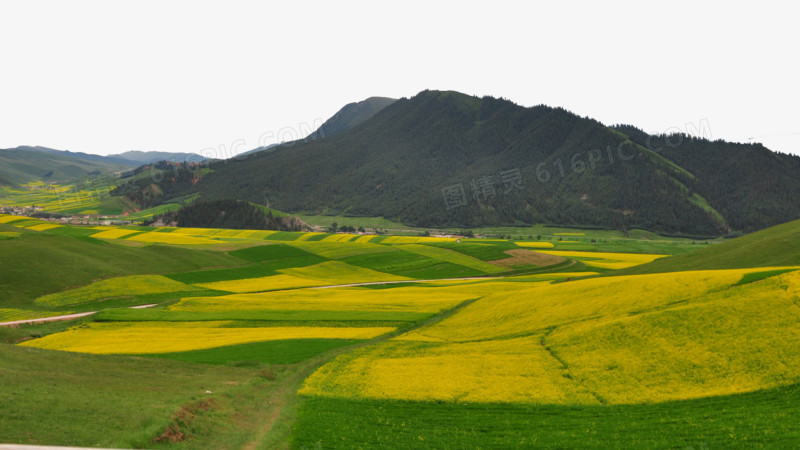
(351, 115)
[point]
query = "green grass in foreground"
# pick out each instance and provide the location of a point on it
(766, 418)
(61, 398)
(289, 351)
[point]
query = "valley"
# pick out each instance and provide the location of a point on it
(424, 339)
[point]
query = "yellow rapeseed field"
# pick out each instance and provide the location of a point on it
(270, 283)
(517, 309)
(172, 238)
(114, 233)
(200, 232)
(7, 218)
(414, 239)
(307, 236)
(517, 370)
(618, 340)
(43, 227)
(115, 287)
(606, 260)
(336, 272)
(339, 237)
(323, 274)
(734, 340)
(163, 337)
(451, 256)
(535, 244)
(407, 299)
(336, 250)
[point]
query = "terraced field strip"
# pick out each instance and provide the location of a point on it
(606, 260)
(162, 337)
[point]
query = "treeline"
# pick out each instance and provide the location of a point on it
(225, 213)
(152, 184)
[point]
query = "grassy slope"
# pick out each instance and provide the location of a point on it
(23, 166)
(35, 264)
(776, 246)
(76, 399)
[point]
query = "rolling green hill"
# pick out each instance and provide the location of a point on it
(26, 164)
(448, 159)
(775, 246)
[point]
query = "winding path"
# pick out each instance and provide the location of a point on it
(47, 319)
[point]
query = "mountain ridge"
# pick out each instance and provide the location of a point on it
(442, 158)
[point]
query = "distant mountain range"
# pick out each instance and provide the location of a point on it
(449, 159)
(138, 157)
(25, 164)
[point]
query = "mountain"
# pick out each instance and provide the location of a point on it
(22, 165)
(138, 157)
(449, 159)
(258, 149)
(351, 115)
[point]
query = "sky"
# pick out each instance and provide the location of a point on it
(223, 77)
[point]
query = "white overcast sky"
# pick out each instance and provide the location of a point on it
(185, 76)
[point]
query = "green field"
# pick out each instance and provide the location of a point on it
(241, 349)
(763, 419)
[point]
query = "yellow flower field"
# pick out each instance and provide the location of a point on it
(737, 340)
(535, 244)
(513, 309)
(451, 257)
(336, 250)
(256, 234)
(172, 238)
(8, 218)
(196, 231)
(336, 272)
(414, 239)
(44, 226)
(323, 274)
(115, 287)
(113, 233)
(270, 283)
(162, 337)
(407, 299)
(339, 237)
(517, 370)
(629, 339)
(606, 260)
(307, 236)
